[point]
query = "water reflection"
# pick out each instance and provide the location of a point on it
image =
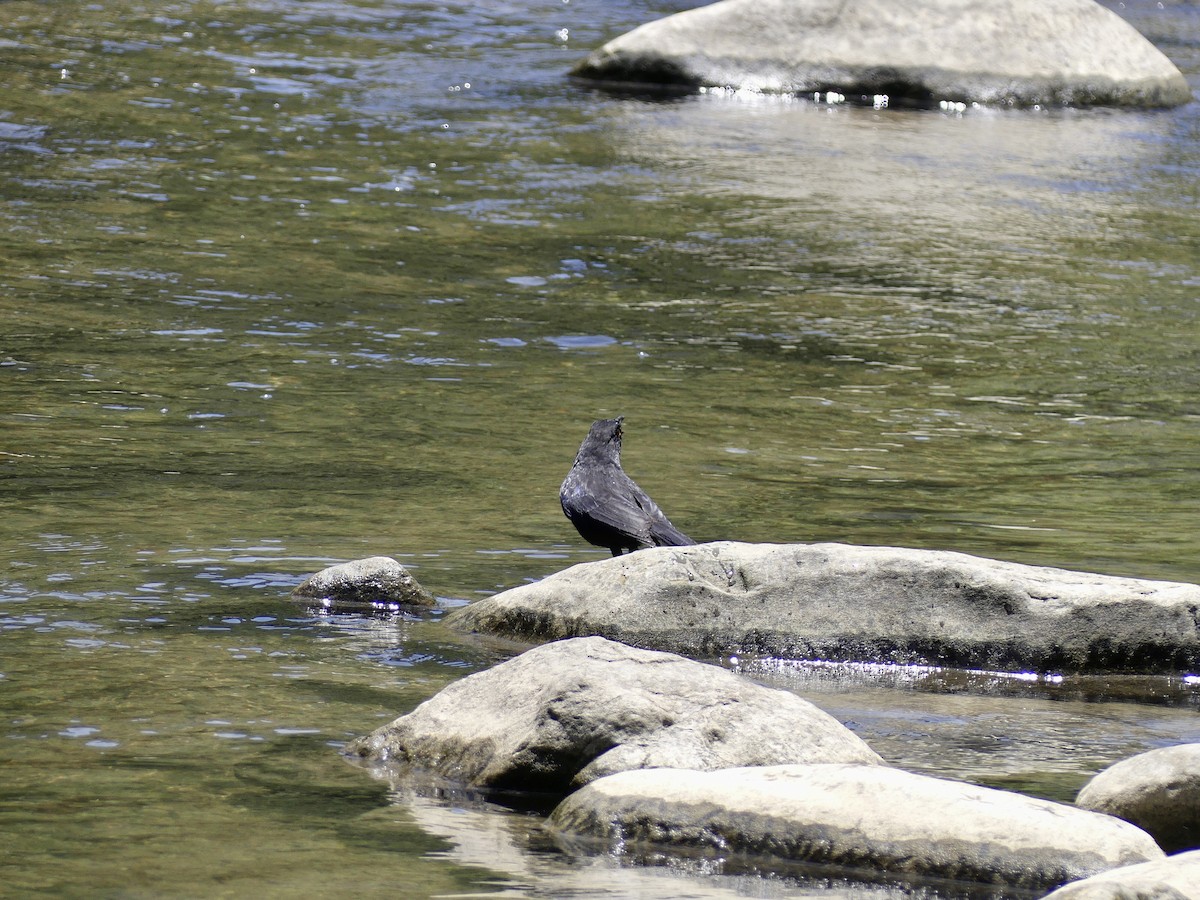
(480, 833)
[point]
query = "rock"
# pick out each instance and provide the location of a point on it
(840, 602)
(1173, 878)
(563, 714)
(856, 816)
(1021, 52)
(511, 847)
(1159, 791)
(378, 579)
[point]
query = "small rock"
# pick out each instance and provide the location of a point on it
(1159, 791)
(565, 713)
(372, 581)
(1173, 878)
(856, 816)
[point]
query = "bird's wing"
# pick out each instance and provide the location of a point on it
(613, 500)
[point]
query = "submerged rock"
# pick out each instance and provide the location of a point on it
(870, 604)
(861, 816)
(1173, 878)
(1021, 52)
(375, 580)
(561, 715)
(1159, 791)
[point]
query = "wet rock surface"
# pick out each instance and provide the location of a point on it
(1021, 52)
(1174, 878)
(1159, 791)
(561, 715)
(870, 817)
(867, 604)
(364, 582)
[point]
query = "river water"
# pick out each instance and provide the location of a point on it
(290, 283)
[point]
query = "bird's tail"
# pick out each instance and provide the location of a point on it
(664, 534)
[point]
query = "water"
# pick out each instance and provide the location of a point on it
(292, 283)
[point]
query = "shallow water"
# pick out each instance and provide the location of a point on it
(292, 283)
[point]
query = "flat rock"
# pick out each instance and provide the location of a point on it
(1159, 791)
(563, 714)
(871, 604)
(1021, 52)
(871, 817)
(1174, 878)
(371, 581)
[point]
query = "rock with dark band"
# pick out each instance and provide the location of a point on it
(851, 603)
(1012, 52)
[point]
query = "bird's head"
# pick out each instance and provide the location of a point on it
(604, 440)
(607, 431)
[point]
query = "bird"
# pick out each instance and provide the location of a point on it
(605, 505)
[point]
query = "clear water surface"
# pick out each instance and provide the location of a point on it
(289, 283)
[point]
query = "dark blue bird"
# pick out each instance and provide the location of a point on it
(606, 505)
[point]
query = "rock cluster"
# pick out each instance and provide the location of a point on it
(648, 752)
(657, 751)
(561, 715)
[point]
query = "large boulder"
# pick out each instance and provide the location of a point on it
(1159, 791)
(870, 817)
(376, 580)
(1020, 52)
(1173, 878)
(563, 714)
(841, 602)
